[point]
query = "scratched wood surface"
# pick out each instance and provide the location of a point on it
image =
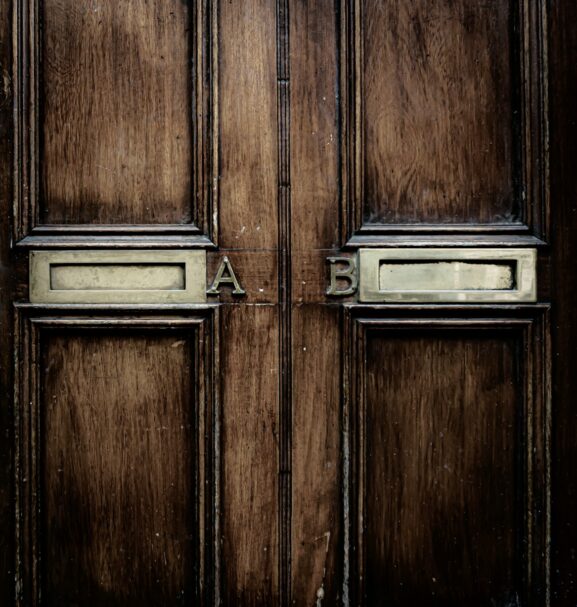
(316, 456)
(116, 112)
(314, 127)
(248, 117)
(437, 112)
(315, 520)
(249, 337)
(442, 518)
(118, 470)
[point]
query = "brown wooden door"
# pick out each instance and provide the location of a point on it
(270, 331)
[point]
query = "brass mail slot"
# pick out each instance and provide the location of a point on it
(118, 276)
(447, 275)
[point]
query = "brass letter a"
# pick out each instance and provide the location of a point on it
(228, 279)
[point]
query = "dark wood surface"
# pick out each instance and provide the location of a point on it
(116, 107)
(302, 459)
(250, 460)
(111, 487)
(7, 538)
(118, 468)
(397, 445)
(443, 523)
(443, 69)
(563, 95)
(316, 528)
(248, 125)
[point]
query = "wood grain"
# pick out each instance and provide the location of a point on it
(116, 112)
(442, 518)
(438, 122)
(448, 118)
(118, 470)
(248, 214)
(314, 127)
(249, 387)
(248, 185)
(316, 522)
(314, 167)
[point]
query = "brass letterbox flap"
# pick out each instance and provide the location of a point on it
(145, 276)
(447, 275)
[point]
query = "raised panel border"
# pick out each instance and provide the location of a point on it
(530, 63)
(31, 322)
(532, 321)
(28, 229)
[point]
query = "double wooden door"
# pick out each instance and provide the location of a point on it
(287, 303)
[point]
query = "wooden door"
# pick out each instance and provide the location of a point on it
(288, 295)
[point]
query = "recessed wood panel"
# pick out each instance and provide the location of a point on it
(443, 117)
(443, 523)
(438, 117)
(446, 456)
(117, 472)
(116, 112)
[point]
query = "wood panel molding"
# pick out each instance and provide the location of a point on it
(285, 293)
(28, 203)
(527, 26)
(528, 328)
(33, 326)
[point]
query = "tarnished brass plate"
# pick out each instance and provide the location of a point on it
(118, 276)
(447, 275)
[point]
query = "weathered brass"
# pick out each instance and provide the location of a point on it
(118, 276)
(348, 273)
(228, 279)
(447, 275)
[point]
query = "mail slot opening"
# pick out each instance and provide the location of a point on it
(117, 276)
(447, 275)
